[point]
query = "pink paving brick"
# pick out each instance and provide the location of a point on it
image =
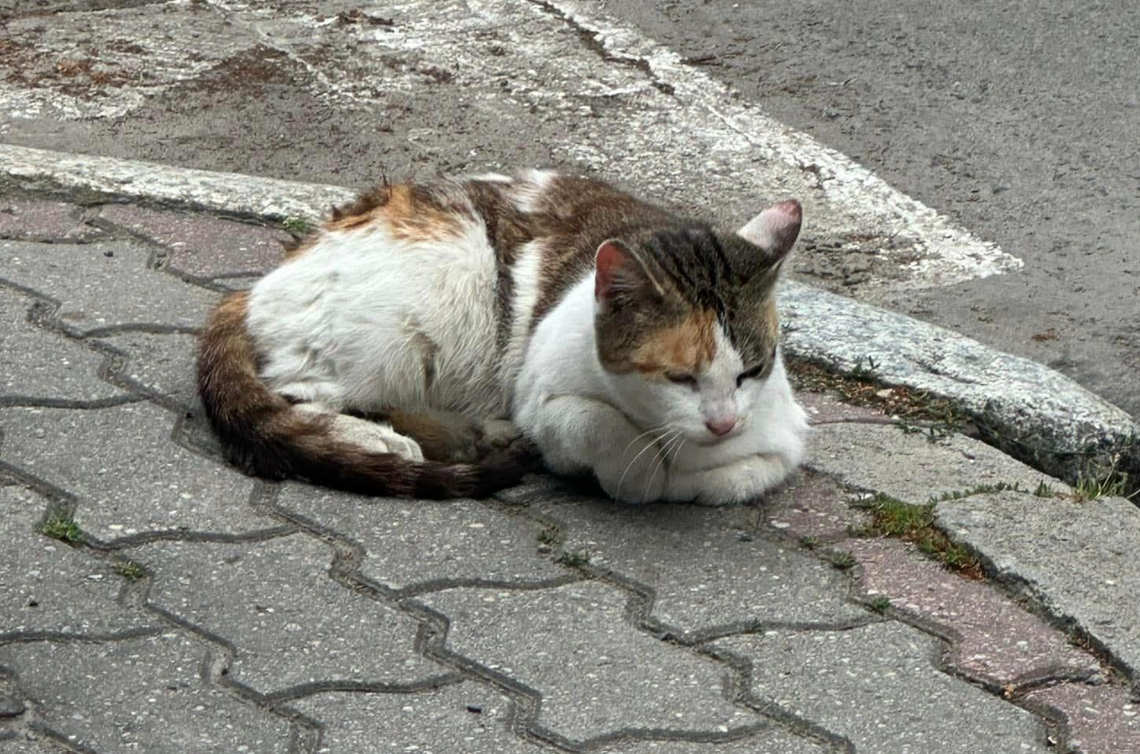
(812, 505)
(201, 245)
(999, 641)
(38, 220)
(825, 407)
(1102, 719)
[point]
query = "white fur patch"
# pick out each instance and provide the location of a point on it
(375, 437)
(531, 186)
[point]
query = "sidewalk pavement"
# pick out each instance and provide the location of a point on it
(914, 590)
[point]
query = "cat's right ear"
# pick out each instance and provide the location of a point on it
(775, 229)
(619, 274)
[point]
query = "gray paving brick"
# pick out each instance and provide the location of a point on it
(202, 245)
(1078, 559)
(709, 568)
(49, 367)
(290, 623)
(597, 675)
(41, 220)
(162, 363)
(877, 686)
(141, 695)
(104, 285)
(21, 744)
(911, 467)
(127, 473)
(47, 587)
(410, 542)
(467, 718)
(770, 741)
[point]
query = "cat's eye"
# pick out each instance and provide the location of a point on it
(681, 379)
(757, 371)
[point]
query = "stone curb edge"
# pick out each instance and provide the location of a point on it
(1026, 409)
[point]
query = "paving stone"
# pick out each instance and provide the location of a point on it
(128, 475)
(911, 467)
(419, 542)
(812, 505)
(47, 587)
(139, 695)
(162, 363)
(770, 741)
(998, 641)
(290, 623)
(1102, 719)
(877, 686)
(826, 408)
(466, 718)
(104, 285)
(11, 707)
(20, 744)
(597, 675)
(1078, 559)
(203, 245)
(710, 569)
(50, 366)
(40, 220)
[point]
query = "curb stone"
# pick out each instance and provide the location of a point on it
(1034, 413)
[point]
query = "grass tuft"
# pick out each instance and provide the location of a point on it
(62, 528)
(880, 604)
(915, 523)
(550, 536)
(129, 570)
(298, 225)
(575, 559)
(843, 561)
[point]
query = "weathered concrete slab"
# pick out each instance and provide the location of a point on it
(163, 363)
(769, 741)
(50, 368)
(139, 695)
(709, 570)
(420, 544)
(104, 285)
(202, 245)
(129, 477)
(1077, 559)
(289, 623)
(48, 588)
(878, 687)
(912, 467)
(996, 640)
(596, 674)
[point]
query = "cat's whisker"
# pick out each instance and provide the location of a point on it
(648, 445)
(643, 434)
(664, 454)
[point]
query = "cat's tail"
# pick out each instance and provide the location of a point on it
(268, 436)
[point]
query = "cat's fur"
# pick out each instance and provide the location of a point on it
(620, 339)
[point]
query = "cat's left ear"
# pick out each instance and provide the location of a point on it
(775, 230)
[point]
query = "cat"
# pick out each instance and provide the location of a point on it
(402, 347)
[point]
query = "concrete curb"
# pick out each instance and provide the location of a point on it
(1028, 410)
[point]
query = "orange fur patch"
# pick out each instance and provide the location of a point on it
(685, 348)
(409, 214)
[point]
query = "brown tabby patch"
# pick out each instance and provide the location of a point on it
(688, 347)
(411, 213)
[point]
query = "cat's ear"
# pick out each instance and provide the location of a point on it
(620, 273)
(775, 229)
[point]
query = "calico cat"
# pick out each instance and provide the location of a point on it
(396, 349)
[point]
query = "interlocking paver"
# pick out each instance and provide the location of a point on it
(467, 718)
(410, 542)
(912, 467)
(1078, 559)
(43, 220)
(203, 245)
(597, 675)
(50, 367)
(288, 621)
(21, 744)
(770, 741)
(47, 587)
(812, 505)
(162, 363)
(1102, 719)
(877, 686)
(129, 477)
(103, 285)
(998, 640)
(708, 568)
(141, 695)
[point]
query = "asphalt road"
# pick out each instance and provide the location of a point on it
(1017, 121)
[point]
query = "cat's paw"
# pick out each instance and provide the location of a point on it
(498, 433)
(376, 437)
(638, 476)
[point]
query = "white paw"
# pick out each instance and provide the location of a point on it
(378, 438)
(637, 476)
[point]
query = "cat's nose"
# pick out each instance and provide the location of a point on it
(721, 425)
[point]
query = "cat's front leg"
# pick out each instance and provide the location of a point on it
(740, 481)
(576, 434)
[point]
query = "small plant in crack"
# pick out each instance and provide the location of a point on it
(880, 604)
(844, 561)
(129, 570)
(891, 517)
(575, 559)
(809, 542)
(63, 528)
(298, 226)
(981, 489)
(549, 536)
(1044, 489)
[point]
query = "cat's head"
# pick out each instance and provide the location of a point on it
(686, 322)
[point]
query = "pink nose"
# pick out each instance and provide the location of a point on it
(721, 426)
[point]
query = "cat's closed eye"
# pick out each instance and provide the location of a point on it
(757, 371)
(681, 379)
